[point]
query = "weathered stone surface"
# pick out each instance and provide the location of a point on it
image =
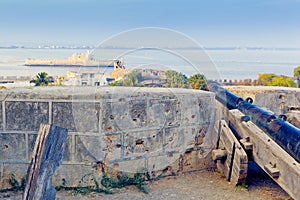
(173, 139)
(109, 111)
(12, 146)
(67, 150)
(26, 116)
(293, 117)
(158, 163)
(277, 99)
(124, 115)
(71, 175)
(164, 112)
(91, 149)
(178, 139)
(17, 170)
(126, 165)
(86, 116)
(138, 113)
(118, 126)
(63, 115)
(143, 143)
(1, 116)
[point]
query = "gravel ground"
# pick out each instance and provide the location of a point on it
(205, 184)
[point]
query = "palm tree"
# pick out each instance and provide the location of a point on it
(42, 79)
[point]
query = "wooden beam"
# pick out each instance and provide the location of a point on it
(273, 159)
(46, 157)
(231, 159)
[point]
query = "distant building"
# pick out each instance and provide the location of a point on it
(89, 78)
(119, 71)
(151, 77)
(14, 81)
(154, 82)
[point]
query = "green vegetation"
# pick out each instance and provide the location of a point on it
(133, 79)
(265, 79)
(83, 190)
(297, 72)
(275, 80)
(283, 81)
(176, 79)
(14, 183)
(138, 179)
(242, 186)
(122, 180)
(42, 79)
(197, 81)
(172, 78)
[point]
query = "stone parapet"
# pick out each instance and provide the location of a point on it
(125, 129)
(277, 99)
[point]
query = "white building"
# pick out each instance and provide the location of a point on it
(91, 78)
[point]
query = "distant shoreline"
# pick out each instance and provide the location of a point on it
(86, 47)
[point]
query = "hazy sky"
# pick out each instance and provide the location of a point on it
(268, 23)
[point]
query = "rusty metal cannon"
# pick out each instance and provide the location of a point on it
(282, 132)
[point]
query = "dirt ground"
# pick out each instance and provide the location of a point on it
(204, 184)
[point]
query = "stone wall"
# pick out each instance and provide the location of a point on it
(277, 99)
(124, 129)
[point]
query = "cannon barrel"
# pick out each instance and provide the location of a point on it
(282, 132)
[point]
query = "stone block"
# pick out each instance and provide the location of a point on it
(1, 116)
(1, 175)
(178, 139)
(190, 114)
(109, 112)
(26, 116)
(76, 116)
(207, 109)
(71, 175)
(62, 115)
(143, 143)
(132, 166)
(86, 116)
(19, 171)
(161, 163)
(90, 149)
(164, 112)
(138, 113)
(124, 115)
(12, 146)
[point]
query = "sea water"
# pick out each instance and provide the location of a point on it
(228, 64)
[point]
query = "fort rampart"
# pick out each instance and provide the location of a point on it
(125, 129)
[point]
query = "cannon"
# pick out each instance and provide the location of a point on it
(283, 133)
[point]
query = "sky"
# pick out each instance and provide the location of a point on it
(212, 23)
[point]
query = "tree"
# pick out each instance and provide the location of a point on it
(282, 81)
(176, 79)
(265, 79)
(197, 81)
(132, 79)
(42, 79)
(297, 72)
